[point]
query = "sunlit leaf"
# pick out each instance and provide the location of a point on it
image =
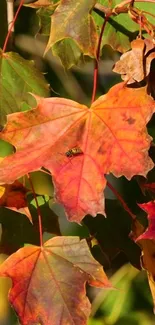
(63, 265)
(72, 21)
(121, 29)
(111, 137)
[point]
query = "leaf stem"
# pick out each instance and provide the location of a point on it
(118, 9)
(148, 13)
(12, 26)
(126, 2)
(119, 197)
(38, 210)
(97, 58)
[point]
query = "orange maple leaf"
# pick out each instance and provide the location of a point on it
(63, 265)
(111, 136)
(13, 197)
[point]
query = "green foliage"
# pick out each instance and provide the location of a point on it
(18, 78)
(118, 307)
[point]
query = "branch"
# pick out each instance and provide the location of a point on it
(126, 2)
(38, 210)
(103, 9)
(10, 13)
(119, 197)
(12, 22)
(97, 59)
(118, 9)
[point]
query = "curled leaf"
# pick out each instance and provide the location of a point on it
(13, 197)
(134, 65)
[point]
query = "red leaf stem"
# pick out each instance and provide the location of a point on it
(119, 197)
(97, 59)
(11, 26)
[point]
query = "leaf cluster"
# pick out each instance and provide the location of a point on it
(60, 151)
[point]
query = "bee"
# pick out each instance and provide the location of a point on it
(76, 151)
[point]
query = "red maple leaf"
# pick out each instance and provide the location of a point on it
(146, 240)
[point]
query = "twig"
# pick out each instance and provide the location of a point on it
(125, 206)
(10, 16)
(118, 9)
(126, 2)
(105, 10)
(97, 59)
(12, 24)
(148, 13)
(38, 210)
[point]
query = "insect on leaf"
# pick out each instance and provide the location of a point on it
(112, 136)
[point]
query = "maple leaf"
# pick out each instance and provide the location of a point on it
(18, 77)
(64, 265)
(135, 65)
(44, 15)
(73, 27)
(10, 193)
(115, 33)
(14, 197)
(146, 240)
(111, 135)
(121, 29)
(150, 231)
